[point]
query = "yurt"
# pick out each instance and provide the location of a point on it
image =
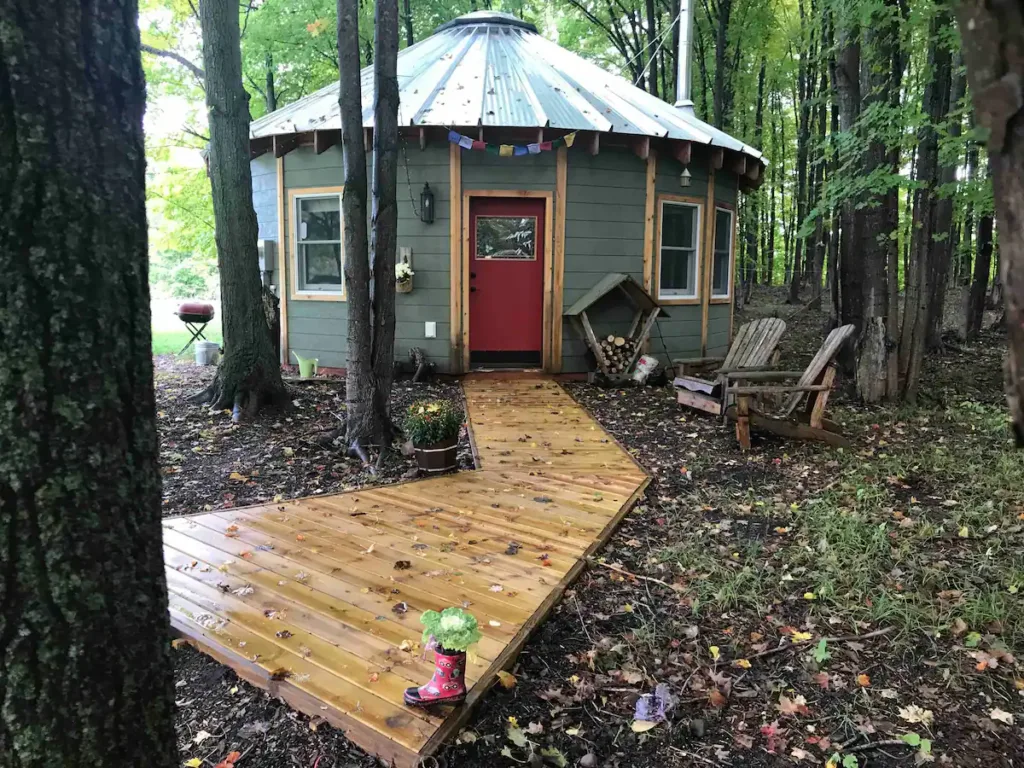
(527, 175)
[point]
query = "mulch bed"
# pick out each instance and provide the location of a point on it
(210, 463)
(712, 520)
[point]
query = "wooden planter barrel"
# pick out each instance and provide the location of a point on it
(439, 457)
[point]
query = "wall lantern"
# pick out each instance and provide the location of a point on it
(427, 205)
(684, 177)
(267, 250)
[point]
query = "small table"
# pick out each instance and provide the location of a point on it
(196, 316)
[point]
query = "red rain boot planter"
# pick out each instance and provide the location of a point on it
(447, 686)
(449, 633)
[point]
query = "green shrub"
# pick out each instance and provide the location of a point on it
(429, 422)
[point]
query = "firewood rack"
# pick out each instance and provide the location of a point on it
(616, 354)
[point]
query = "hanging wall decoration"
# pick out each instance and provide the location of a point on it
(511, 150)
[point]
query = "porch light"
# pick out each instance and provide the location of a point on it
(427, 205)
(684, 177)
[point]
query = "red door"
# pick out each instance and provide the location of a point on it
(506, 281)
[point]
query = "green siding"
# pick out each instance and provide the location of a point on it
(319, 328)
(605, 199)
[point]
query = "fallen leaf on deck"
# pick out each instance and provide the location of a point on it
(195, 762)
(201, 737)
(795, 706)
(863, 680)
(402, 565)
(229, 761)
(237, 477)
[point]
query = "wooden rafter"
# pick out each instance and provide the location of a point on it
(324, 140)
(681, 151)
(285, 144)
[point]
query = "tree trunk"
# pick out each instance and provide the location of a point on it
(979, 286)
(408, 23)
(923, 257)
(803, 137)
(85, 670)
(992, 34)
(359, 366)
(879, 218)
(249, 375)
(270, 91)
(652, 44)
(848, 97)
(722, 81)
(944, 240)
(385, 214)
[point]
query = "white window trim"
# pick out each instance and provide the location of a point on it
(732, 253)
(298, 197)
(662, 295)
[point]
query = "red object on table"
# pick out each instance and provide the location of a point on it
(195, 311)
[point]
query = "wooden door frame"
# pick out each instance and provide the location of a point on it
(462, 285)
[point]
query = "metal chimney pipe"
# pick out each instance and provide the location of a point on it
(684, 67)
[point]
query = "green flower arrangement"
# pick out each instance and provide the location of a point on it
(453, 629)
(429, 422)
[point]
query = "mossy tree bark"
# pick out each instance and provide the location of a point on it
(993, 36)
(250, 373)
(85, 674)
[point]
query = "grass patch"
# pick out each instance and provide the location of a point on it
(167, 342)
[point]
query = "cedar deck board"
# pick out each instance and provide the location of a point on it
(334, 594)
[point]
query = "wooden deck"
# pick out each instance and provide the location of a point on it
(304, 598)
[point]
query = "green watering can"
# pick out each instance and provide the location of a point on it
(307, 365)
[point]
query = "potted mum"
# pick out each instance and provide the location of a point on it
(449, 633)
(433, 427)
(403, 277)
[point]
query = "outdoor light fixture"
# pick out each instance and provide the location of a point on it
(684, 177)
(427, 205)
(267, 256)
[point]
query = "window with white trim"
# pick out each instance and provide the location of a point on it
(679, 267)
(721, 270)
(318, 243)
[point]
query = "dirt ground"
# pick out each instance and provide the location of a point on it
(750, 575)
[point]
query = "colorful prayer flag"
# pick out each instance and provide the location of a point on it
(465, 142)
(453, 137)
(545, 146)
(519, 151)
(505, 150)
(570, 139)
(481, 145)
(533, 149)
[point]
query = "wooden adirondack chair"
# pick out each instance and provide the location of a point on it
(752, 348)
(802, 416)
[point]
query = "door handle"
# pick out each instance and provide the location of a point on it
(472, 289)
(472, 274)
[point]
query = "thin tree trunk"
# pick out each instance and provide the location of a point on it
(385, 214)
(848, 96)
(803, 110)
(944, 239)
(270, 91)
(359, 367)
(992, 33)
(979, 286)
(922, 275)
(408, 23)
(85, 669)
(250, 374)
(652, 58)
(722, 81)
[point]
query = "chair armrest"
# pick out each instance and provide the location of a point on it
(687, 364)
(756, 390)
(760, 374)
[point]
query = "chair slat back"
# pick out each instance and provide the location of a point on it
(821, 360)
(754, 343)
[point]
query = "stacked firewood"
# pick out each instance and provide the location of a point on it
(618, 352)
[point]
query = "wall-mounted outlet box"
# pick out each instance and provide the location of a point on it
(430, 329)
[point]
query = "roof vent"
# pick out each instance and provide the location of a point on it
(477, 18)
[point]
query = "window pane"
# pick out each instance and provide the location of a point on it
(678, 225)
(506, 237)
(723, 230)
(723, 249)
(320, 264)
(678, 272)
(322, 217)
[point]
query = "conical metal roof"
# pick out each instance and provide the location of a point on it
(492, 69)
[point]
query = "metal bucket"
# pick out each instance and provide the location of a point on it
(207, 352)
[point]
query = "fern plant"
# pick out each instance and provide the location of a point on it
(453, 628)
